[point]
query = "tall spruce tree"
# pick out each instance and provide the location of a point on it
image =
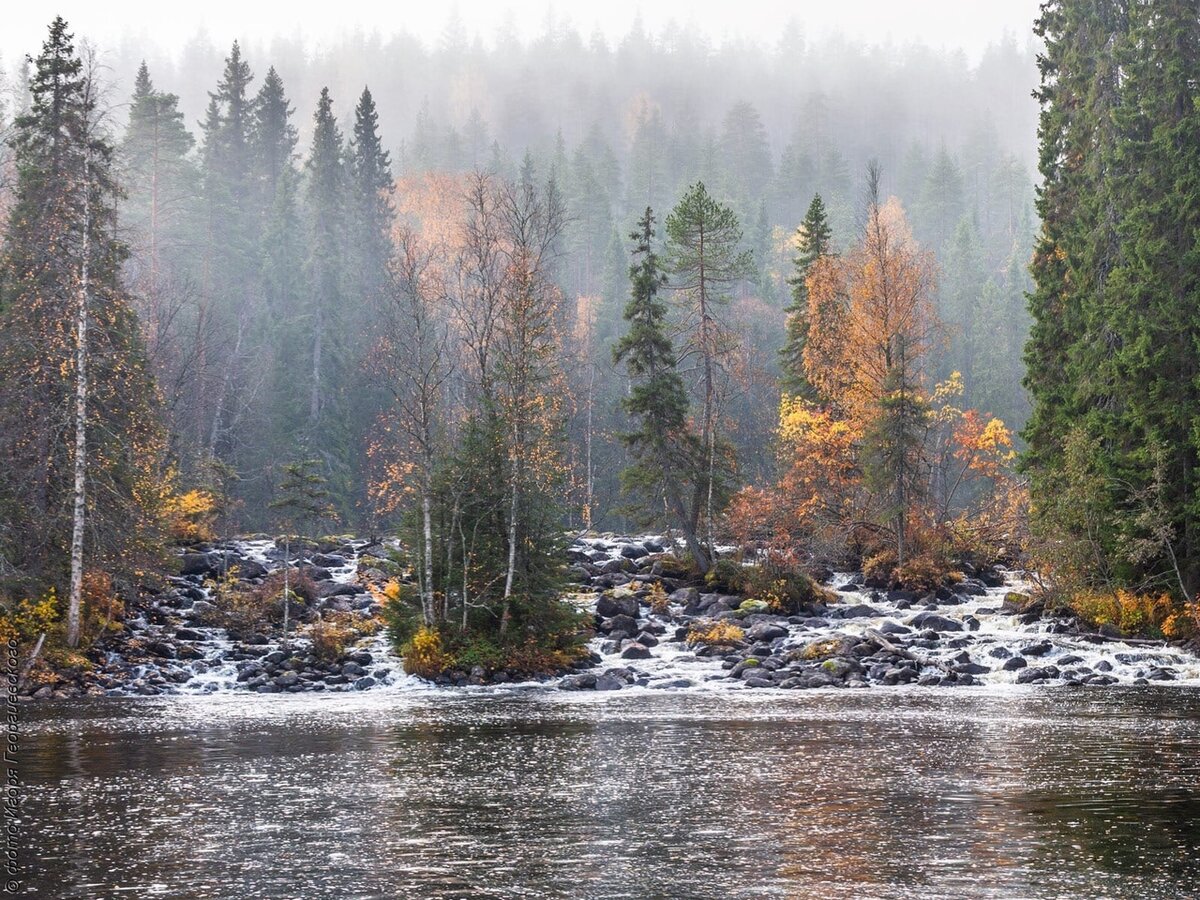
(370, 171)
(78, 423)
(813, 239)
(323, 344)
(1111, 357)
(666, 453)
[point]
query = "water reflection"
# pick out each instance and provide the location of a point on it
(923, 794)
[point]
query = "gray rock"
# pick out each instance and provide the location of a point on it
(328, 589)
(636, 651)
(200, 564)
(765, 631)
(857, 611)
(608, 606)
(935, 622)
(608, 683)
(1037, 673)
(1014, 663)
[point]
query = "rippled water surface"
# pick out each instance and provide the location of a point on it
(1005, 792)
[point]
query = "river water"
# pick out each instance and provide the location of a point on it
(998, 791)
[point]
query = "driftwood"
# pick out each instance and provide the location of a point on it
(878, 637)
(1136, 642)
(37, 648)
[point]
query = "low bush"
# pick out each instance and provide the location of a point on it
(423, 654)
(331, 635)
(1145, 615)
(261, 607)
(658, 600)
(778, 581)
(189, 517)
(719, 633)
(926, 572)
(726, 577)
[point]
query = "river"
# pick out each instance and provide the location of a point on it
(998, 791)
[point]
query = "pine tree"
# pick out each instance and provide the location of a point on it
(304, 503)
(813, 240)
(704, 240)
(155, 167)
(370, 171)
(324, 194)
(232, 251)
(78, 423)
(666, 453)
(273, 139)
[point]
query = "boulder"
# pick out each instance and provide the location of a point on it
(635, 650)
(609, 605)
(685, 596)
(608, 683)
(935, 622)
(329, 589)
(249, 568)
(627, 624)
(1037, 673)
(857, 611)
(585, 681)
(161, 649)
(328, 560)
(202, 610)
(201, 564)
(765, 631)
(634, 551)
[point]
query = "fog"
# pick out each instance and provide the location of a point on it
(619, 110)
(969, 26)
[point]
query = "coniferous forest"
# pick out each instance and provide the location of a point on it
(556, 359)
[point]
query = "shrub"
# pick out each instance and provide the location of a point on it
(726, 576)
(674, 567)
(1134, 614)
(331, 635)
(262, 606)
(657, 598)
(880, 569)
(189, 517)
(28, 619)
(423, 654)
(926, 572)
(1181, 625)
(401, 612)
(720, 633)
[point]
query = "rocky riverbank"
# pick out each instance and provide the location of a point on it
(654, 627)
(984, 630)
(183, 636)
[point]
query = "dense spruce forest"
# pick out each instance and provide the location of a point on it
(775, 301)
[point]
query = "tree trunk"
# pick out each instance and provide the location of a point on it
(427, 529)
(512, 550)
(75, 601)
(287, 596)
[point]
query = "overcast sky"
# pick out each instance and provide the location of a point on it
(968, 24)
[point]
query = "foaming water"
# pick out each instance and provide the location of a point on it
(1000, 791)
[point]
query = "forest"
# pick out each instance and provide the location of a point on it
(822, 308)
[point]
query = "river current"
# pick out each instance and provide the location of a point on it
(528, 792)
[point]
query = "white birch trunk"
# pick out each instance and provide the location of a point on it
(79, 516)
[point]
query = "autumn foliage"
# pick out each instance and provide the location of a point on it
(875, 461)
